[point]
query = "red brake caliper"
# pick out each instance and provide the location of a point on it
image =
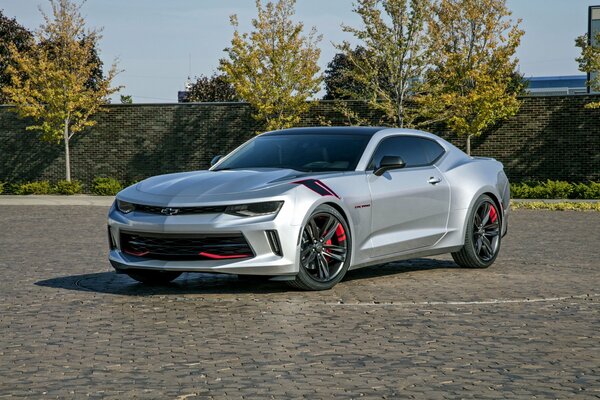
(340, 235)
(493, 214)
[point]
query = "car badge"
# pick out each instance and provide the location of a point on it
(169, 211)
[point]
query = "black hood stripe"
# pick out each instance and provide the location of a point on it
(317, 187)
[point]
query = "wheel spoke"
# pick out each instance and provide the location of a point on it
(333, 247)
(323, 267)
(313, 230)
(479, 244)
(305, 252)
(485, 214)
(339, 257)
(487, 246)
(492, 233)
(477, 220)
(327, 226)
(330, 232)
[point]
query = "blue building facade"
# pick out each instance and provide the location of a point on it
(559, 85)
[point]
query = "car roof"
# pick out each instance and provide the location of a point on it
(328, 130)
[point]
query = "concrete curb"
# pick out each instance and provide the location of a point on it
(550, 201)
(77, 200)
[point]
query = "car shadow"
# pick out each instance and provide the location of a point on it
(206, 283)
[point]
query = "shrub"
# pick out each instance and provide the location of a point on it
(555, 190)
(106, 186)
(1, 187)
(40, 187)
(65, 187)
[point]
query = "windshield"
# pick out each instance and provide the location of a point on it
(307, 153)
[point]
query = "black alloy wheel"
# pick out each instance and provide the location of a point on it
(324, 250)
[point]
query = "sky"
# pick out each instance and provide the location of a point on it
(159, 44)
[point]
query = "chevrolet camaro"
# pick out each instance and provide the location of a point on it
(305, 205)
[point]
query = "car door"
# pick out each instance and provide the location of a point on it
(409, 205)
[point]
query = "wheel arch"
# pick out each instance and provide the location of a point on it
(345, 214)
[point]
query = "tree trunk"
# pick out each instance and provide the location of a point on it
(67, 155)
(469, 144)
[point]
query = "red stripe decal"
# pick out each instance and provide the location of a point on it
(136, 253)
(221, 257)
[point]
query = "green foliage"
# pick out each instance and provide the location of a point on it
(11, 33)
(106, 186)
(340, 84)
(561, 206)
(589, 62)
(58, 85)
(392, 55)
(39, 187)
(211, 89)
(555, 190)
(274, 67)
(2, 187)
(68, 188)
(126, 99)
(471, 83)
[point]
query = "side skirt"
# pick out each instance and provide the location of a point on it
(407, 256)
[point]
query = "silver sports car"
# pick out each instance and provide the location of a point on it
(305, 205)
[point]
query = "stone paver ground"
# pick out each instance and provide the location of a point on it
(527, 327)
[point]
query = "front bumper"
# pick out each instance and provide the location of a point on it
(254, 230)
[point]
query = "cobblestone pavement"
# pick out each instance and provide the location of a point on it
(527, 327)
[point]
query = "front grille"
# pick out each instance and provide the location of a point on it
(181, 210)
(186, 247)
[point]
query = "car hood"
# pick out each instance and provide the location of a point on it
(210, 183)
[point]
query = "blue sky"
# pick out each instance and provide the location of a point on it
(157, 41)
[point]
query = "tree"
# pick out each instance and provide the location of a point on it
(394, 55)
(51, 83)
(126, 99)
(471, 85)
(211, 89)
(11, 32)
(589, 62)
(274, 68)
(338, 79)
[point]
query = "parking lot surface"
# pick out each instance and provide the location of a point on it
(527, 327)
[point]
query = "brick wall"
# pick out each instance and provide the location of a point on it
(550, 138)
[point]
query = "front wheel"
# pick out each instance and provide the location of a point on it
(482, 236)
(152, 277)
(325, 249)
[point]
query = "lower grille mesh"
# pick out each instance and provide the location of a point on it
(186, 247)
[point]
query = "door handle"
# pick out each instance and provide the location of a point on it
(434, 180)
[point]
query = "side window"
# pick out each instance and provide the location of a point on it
(433, 150)
(415, 151)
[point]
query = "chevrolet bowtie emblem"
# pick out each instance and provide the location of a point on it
(169, 211)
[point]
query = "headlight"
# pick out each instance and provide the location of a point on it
(125, 207)
(255, 209)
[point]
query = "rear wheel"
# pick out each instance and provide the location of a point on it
(325, 249)
(482, 237)
(151, 277)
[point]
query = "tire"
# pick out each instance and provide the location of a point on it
(482, 235)
(152, 277)
(325, 250)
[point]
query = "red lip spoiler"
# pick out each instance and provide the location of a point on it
(220, 257)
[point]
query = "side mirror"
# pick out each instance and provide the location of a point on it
(215, 160)
(389, 162)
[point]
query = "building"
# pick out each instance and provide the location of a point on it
(557, 85)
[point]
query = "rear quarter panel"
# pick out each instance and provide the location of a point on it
(469, 178)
